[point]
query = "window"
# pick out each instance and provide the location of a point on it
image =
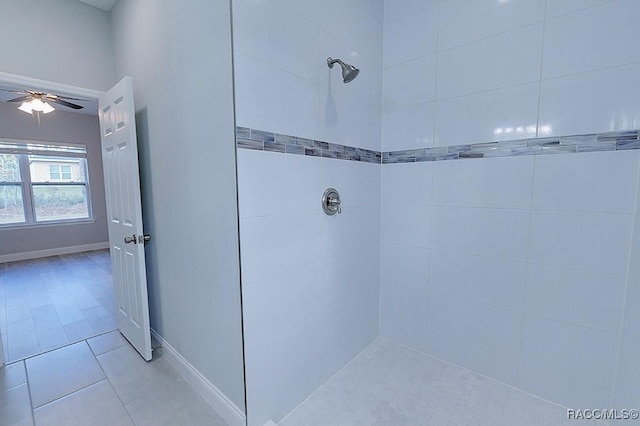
(58, 172)
(42, 183)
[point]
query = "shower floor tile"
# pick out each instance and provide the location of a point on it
(388, 384)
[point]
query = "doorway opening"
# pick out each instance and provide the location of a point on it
(55, 272)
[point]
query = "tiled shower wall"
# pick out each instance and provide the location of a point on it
(518, 268)
(310, 281)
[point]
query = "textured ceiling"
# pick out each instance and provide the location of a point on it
(101, 4)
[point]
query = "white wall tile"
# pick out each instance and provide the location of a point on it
(626, 392)
(357, 183)
(563, 348)
(347, 22)
(463, 21)
(377, 10)
(632, 298)
(345, 275)
(274, 314)
(479, 117)
(596, 182)
(632, 301)
(562, 7)
(499, 61)
(410, 127)
(560, 388)
(292, 180)
(485, 280)
(411, 37)
(312, 293)
(588, 299)
(345, 121)
(589, 241)
(500, 233)
(406, 224)
(403, 313)
(491, 329)
(495, 182)
(498, 367)
(259, 84)
(404, 264)
(410, 83)
(398, 8)
(572, 105)
(377, 79)
(306, 8)
(408, 183)
(360, 88)
(592, 39)
(353, 229)
(276, 304)
(272, 245)
(265, 33)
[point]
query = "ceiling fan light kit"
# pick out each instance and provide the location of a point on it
(41, 102)
(36, 105)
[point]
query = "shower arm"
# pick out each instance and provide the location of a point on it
(331, 62)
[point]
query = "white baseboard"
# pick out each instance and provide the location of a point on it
(16, 257)
(214, 396)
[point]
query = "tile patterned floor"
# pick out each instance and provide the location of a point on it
(50, 302)
(389, 385)
(100, 381)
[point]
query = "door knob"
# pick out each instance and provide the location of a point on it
(140, 239)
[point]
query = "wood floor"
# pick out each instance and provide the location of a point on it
(51, 302)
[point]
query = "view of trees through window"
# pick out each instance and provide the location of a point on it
(42, 187)
(11, 205)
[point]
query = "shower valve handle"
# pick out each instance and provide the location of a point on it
(335, 202)
(331, 203)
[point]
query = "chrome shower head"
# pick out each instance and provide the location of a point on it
(349, 72)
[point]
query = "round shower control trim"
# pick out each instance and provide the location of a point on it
(331, 202)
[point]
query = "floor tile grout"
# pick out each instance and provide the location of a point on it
(31, 281)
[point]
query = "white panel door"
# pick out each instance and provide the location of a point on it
(124, 213)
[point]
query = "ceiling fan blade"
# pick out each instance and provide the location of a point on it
(12, 91)
(20, 99)
(51, 96)
(65, 103)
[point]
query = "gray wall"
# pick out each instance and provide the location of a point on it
(66, 127)
(178, 54)
(64, 41)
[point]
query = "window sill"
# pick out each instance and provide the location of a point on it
(53, 223)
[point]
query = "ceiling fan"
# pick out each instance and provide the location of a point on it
(33, 100)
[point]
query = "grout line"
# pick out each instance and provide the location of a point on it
(412, 12)
(544, 27)
(432, 173)
(434, 121)
(634, 219)
(113, 388)
(526, 264)
(517, 311)
(28, 383)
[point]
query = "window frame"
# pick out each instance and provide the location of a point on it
(25, 148)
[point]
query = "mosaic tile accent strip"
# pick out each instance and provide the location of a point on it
(275, 142)
(613, 141)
